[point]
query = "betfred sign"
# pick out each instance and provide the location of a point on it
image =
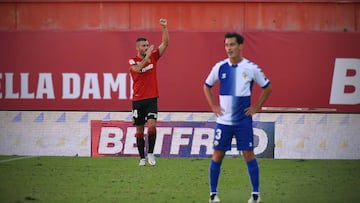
(345, 87)
(174, 139)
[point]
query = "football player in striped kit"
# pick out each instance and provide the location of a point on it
(236, 75)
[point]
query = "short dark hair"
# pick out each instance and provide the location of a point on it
(238, 37)
(141, 39)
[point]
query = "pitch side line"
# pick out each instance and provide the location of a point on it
(18, 158)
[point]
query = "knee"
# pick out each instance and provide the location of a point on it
(218, 155)
(151, 130)
(248, 155)
(139, 135)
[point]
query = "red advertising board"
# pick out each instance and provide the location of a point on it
(87, 70)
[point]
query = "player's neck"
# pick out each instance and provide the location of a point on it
(235, 60)
(140, 56)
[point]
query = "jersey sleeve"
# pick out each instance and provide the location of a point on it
(213, 76)
(260, 77)
(131, 62)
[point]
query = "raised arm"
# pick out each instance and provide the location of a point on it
(165, 37)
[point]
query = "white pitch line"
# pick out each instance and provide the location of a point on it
(18, 158)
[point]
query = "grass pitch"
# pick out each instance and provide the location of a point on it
(185, 180)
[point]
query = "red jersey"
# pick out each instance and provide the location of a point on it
(145, 83)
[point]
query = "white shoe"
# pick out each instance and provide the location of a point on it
(214, 198)
(151, 159)
(254, 198)
(142, 162)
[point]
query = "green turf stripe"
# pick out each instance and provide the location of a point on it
(17, 158)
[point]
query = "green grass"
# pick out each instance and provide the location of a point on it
(110, 179)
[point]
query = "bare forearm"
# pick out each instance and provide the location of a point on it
(263, 97)
(138, 67)
(215, 108)
(209, 96)
(165, 36)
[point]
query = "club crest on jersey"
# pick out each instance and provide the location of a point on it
(245, 75)
(132, 62)
(223, 75)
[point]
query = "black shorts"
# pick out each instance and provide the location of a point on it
(143, 110)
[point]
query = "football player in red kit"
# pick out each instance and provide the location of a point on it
(145, 91)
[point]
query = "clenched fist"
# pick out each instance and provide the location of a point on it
(163, 22)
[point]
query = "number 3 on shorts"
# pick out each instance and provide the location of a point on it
(218, 134)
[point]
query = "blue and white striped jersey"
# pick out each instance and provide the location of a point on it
(236, 82)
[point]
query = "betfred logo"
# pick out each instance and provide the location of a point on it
(174, 139)
(345, 87)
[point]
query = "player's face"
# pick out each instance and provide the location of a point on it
(232, 48)
(142, 47)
